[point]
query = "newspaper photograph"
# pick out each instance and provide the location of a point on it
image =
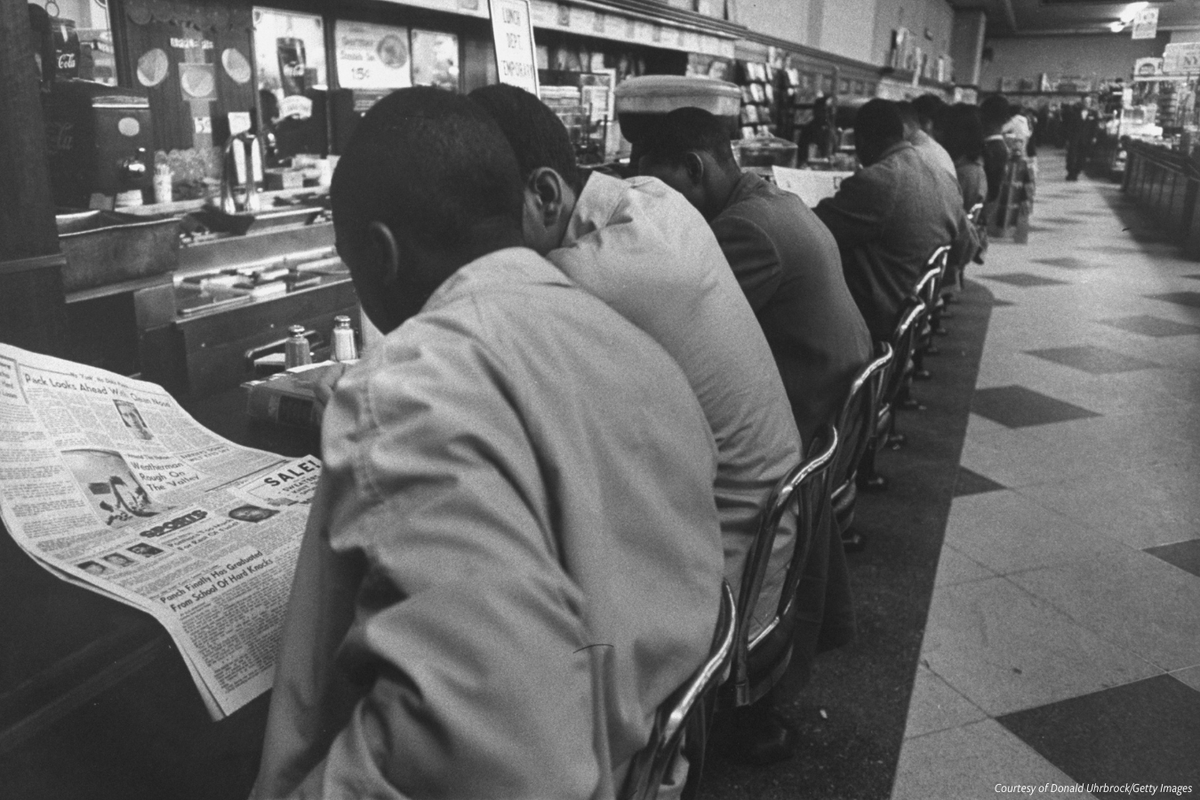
(109, 484)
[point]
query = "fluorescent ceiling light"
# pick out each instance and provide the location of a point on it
(1131, 11)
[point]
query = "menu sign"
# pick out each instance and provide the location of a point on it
(1145, 24)
(1182, 58)
(512, 29)
(372, 57)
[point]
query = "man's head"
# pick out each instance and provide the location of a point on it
(877, 126)
(928, 108)
(689, 150)
(545, 157)
(962, 132)
(426, 185)
(994, 111)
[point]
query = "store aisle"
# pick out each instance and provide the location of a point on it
(1063, 639)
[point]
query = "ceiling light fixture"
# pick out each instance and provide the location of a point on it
(1116, 27)
(1131, 11)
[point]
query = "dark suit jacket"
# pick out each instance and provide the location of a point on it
(888, 219)
(788, 266)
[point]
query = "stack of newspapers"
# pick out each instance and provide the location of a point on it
(109, 484)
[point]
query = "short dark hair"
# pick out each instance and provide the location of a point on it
(962, 131)
(878, 122)
(994, 111)
(430, 163)
(669, 139)
(928, 106)
(536, 134)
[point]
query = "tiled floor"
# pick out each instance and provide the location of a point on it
(1063, 639)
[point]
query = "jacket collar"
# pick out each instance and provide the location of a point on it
(498, 270)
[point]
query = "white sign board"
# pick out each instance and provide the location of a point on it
(372, 57)
(1181, 59)
(812, 186)
(1145, 24)
(512, 30)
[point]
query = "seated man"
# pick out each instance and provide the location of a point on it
(782, 256)
(789, 270)
(919, 118)
(890, 216)
(513, 555)
(642, 249)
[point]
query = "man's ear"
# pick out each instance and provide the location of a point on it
(694, 165)
(385, 251)
(549, 189)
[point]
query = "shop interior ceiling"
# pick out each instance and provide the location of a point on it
(1050, 17)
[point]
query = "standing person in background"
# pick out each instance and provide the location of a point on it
(1079, 122)
(816, 135)
(513, 555)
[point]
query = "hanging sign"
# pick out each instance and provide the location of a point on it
(1145, 24)
(372, 57)
(512, 30)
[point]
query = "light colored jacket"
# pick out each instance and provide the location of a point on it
(513, 556)
(640, 247)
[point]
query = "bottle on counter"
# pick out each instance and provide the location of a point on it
(344, 348)
(296, 352)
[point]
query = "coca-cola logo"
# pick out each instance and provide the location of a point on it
(66, 61)
(293, 70)
(60, 136)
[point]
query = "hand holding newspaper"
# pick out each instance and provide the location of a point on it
(108, 483)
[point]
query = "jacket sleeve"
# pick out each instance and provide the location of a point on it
(752, 257)
(432, 584)
(855, 215)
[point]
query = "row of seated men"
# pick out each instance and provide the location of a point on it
(535, 485)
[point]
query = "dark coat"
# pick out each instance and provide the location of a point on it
(888, 219)
(787, 264)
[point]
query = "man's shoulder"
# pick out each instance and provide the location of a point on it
(762, 207)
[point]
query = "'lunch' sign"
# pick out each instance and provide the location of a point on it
(512, 29)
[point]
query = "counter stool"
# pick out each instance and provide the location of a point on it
(855, 426)
(681, 722)
(902, 342)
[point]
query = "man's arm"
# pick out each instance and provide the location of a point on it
(447, 636)
(752, 257)
(855, 215)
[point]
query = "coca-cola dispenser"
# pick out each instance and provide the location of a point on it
(100, 144)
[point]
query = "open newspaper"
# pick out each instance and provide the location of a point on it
(108, 483)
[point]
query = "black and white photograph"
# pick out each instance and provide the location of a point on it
(599, 399)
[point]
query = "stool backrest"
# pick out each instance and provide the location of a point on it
(856, 421)
(903, 340)
(800, 493)
(686, 710)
